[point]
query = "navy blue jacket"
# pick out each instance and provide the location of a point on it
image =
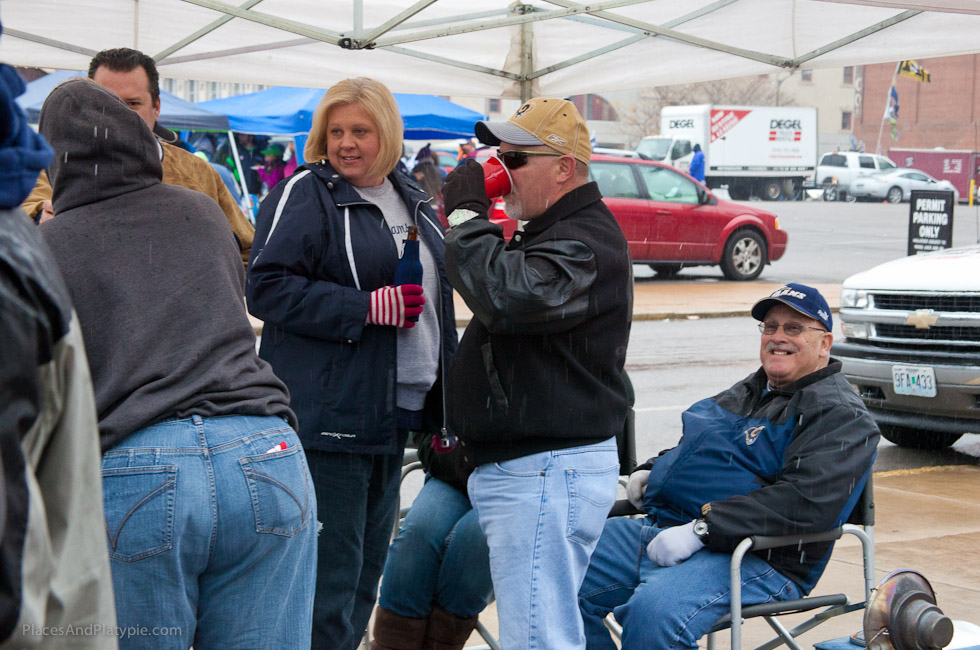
(319, 251)
(785, 461)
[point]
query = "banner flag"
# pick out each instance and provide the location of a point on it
(913, 70)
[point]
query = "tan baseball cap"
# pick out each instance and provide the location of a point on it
(547, 121)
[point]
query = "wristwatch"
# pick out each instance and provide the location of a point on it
(701, 530)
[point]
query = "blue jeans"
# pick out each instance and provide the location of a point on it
(665, 607)
(542, 515)
(357, 497)
(440, 556)
(211, 535)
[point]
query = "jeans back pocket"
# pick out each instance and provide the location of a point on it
(139, 510)
(591, 495)
(279, 486)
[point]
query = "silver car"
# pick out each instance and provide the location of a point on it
(896, 185)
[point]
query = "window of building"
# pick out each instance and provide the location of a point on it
(493, 105)
(594, 107)
(845, 120)
(849, 75)
(806, 75)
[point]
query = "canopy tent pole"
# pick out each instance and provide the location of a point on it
(241, 175)
(527, 65)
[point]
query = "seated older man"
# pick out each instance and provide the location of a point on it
(785, 451)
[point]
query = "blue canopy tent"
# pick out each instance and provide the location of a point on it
(175, 113)
(289, 111)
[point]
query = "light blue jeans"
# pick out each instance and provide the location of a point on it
(665, 607)
(440, 556)
(212, 540)
(542, 515)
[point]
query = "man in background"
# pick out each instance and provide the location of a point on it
(696, 169)
(133, 76)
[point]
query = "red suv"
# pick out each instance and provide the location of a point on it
(671, 221)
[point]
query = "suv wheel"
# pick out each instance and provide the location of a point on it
(744, 256)
(916, 439)
(830, 193)
(894, 195)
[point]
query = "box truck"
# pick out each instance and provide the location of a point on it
(958, 167)
(764, 151)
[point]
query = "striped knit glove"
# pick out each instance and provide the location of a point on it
(392, 305)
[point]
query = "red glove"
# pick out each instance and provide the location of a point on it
(392, 305)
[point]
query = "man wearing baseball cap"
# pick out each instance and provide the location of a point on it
(536, 391)
(785, 451)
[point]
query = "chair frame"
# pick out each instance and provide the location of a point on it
(861, 526)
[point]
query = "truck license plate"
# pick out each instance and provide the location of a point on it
(914, 380)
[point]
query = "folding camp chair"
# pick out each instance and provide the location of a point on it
(860, 524)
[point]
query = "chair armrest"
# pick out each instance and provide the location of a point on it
(760, 542)
(411, 456)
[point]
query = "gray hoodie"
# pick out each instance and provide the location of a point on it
(153, 271)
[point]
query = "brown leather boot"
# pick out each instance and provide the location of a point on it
(394, 632)
(447, 632)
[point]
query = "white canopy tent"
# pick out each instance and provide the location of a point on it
(488, 48)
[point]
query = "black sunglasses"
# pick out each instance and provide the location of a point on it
(517, 159)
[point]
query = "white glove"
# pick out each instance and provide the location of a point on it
(673, 545)
(637, 486)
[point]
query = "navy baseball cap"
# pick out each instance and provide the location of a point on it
(800, 297)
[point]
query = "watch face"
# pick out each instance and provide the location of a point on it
(700, 528)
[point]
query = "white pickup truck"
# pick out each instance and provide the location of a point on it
(911, 345)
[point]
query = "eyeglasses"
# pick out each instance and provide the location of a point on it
(790, 329)
(517, 159)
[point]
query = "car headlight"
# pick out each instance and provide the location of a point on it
(855, 330)
(856, 298)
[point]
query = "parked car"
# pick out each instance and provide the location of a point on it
(837, 171)
(911, 345)
(671, 221)
(896, 185)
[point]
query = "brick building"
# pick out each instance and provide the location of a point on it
(943, 113)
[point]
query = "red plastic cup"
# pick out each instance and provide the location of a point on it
(496, 178)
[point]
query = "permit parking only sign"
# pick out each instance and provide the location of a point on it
(930, 221)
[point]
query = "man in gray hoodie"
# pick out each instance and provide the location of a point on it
(206, 490)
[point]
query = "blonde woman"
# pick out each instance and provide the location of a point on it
(361, 375)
